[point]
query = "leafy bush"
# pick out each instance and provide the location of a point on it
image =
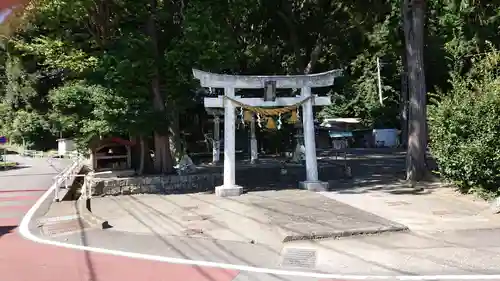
(464, 128)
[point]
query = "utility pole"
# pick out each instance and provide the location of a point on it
(380, 98)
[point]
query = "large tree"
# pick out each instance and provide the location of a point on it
(124, 67)
(414, 23)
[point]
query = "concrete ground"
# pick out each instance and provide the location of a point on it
(437, 208)
(263, 217)
(450, 234)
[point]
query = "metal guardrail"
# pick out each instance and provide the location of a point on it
(71, 172)
(41, 154)
(33, 153)
(64, 177)
(88, 180)
(87, 186)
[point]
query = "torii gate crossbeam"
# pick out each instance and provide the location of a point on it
(230, 82)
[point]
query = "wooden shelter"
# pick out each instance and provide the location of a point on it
(111, 154)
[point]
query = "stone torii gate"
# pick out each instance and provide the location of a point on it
(231, 82)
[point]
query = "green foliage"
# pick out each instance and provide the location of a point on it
(464, 128)
(57, 54)
(357, 94)
(80, 68)
(7, 165)
(74, 109)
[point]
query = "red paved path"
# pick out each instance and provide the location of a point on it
(5, 4)
(23, 260)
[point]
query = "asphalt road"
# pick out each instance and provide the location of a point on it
(23, 260)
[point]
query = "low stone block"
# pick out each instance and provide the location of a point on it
(136, 188)
(315, 186)
(152, 188)
(227, 191)
(156, 180)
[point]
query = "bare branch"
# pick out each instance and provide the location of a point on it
(293, 38)
(314, 57)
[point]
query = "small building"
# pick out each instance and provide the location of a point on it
(65, 146)
(386, 137)
(111, 154)
(340, 131)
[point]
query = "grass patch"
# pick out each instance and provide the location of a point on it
(8, 164)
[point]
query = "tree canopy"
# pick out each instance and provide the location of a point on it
(97, 67)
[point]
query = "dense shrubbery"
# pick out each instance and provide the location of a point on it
(465, 129)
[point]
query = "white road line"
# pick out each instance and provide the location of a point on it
(58, 219)
(26, 233)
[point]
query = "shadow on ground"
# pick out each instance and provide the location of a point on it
(6, 230)
(10, 152)
(393, 184)
(16, 167)
(380, 170)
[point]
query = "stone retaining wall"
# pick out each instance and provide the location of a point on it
(157, 184)
(254, 178)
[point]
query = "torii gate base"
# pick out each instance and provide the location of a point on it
(316, 186)
(224, 191)
(230, 82)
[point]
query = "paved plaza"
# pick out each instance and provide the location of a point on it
(369, 226)
(372, 225)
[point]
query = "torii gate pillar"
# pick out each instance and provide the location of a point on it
(230, 82)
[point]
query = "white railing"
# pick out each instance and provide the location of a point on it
(32, 153)
(87, 186)
(53, 154)
(88, 181)
(66, 175)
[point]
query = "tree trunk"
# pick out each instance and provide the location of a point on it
(163, 159)
(175, 136)
(141, 158)
(413, 15)
(143, 153)
(404, 103)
